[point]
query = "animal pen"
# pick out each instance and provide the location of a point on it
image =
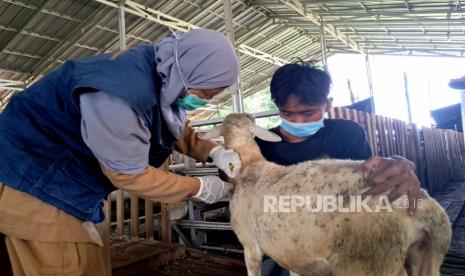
(37, 36)
(437, 153)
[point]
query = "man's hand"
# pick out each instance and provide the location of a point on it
(226, 160)
(213, 189)
(396, 173)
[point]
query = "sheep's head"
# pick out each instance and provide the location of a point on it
(240, 128)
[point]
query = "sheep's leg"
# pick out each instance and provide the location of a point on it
(419, 260)
(253, 259)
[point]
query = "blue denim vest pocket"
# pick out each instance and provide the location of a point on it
(69, 185)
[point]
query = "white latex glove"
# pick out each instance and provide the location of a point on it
(213, 189)
(226, 160)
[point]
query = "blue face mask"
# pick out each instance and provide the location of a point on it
(191, 102)
(302, 129)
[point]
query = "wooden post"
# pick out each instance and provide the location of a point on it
(119, 212)
(148, 219)
(332, 113)
(371, 134)
(387, 136)
(165, 223)
(165, 214)
(381, 136)
(134, 216)
(391, 134)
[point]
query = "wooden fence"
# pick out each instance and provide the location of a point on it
(118, 223)
(436, 153)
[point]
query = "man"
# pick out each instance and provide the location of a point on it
(300, 91)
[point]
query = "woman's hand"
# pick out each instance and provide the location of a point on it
(213, 189)
(226, 160)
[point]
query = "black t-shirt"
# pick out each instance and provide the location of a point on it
(339, 139)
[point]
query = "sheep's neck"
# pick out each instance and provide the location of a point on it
(248, 150)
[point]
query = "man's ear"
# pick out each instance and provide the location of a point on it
(329, 105)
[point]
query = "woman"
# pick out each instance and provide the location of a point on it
(98, 124)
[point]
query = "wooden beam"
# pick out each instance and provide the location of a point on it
(148, 219)
(134, 230)
(119, 212)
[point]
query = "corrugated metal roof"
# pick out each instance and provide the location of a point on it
(36, 36)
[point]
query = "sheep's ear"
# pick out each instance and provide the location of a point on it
(266, 135)
(212, 134)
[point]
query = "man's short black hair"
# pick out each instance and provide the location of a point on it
(303, 80)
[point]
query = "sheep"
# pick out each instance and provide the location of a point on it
(325, 243)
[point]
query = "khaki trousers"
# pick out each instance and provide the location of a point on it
(54, 258)
(39, 239)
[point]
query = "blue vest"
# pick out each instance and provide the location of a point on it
(42, 150)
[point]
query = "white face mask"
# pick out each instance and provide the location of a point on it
(302, 129)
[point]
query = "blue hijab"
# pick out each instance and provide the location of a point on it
(206, 59)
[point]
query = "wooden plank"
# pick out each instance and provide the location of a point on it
(361, 120)
(458, 150)
(381, 136)
(403, 135)
(148, 219)
(460, 142)
(387, 135)
(409, 144)
(119, 212)
(205, 264)
(133, 257)
(441, 170)
(353, 115)
(134, 230)
(332, 113)
(369, 133)
(395, 134)
(397, 139)
(198, 267)
(428, 159)
(336, 113)
(228, 262)
(165, 214)
(431, 158)
(347, 114)
(418, 152)
(342, 114)
(455, 162)
(376, 135)
(165, 223)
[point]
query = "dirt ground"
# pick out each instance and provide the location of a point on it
(133, 256)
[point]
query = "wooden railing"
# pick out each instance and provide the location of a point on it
(437, 153)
